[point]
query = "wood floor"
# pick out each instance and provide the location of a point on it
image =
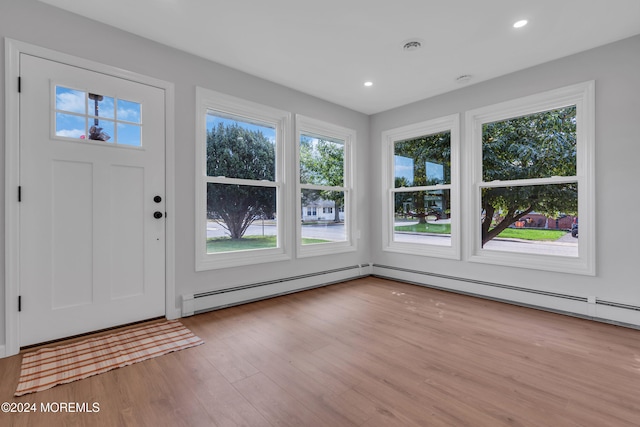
(369, 352)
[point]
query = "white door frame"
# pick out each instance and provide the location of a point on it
(13, 49)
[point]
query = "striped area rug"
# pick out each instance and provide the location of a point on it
(48, 367)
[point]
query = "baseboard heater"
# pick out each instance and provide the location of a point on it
(609, 317)
(214, 300)
(480, 282)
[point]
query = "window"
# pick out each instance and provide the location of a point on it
(240, 196)
(420, 173)
(532, 179)
(324, 187)
(85, 116)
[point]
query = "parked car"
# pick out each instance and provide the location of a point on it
(574, 229)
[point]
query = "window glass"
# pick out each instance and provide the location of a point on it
(90, 116)
(240, 190)
(129, 111)
(129, 134)
(71, 126)
(70, 100)
(423, 217)
(321, 222)
(539, 145)
(423, 161)
(535, 219)
(101, 106)
(240, 149)
(421, 212)
(325, 193)
(240, 218)
(321, 161)
(533, 174)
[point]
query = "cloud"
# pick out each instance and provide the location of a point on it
(129, 115)
(70, 133)
(71, 101)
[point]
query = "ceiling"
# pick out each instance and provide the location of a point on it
(329, 48)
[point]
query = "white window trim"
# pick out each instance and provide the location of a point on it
(449, 123)
(308, 125)
(208, 100)
(583, 96)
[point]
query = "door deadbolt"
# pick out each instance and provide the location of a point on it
(157, 214)
(157, 199)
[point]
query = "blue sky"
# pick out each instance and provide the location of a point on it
(75, 114)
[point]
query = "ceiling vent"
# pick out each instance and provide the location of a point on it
(411, 45)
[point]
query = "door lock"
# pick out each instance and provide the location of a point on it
(157, 215)
(157, 199)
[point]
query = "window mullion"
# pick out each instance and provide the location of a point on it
(239, 181)
(422, 188)
(528, 182)
(322, 187)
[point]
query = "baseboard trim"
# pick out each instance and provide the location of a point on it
(215, 300)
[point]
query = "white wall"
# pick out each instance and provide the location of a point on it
(33, 22)
(615, 69)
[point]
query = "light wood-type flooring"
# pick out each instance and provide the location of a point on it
(369, 352)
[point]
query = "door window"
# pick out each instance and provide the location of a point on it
(86, 116)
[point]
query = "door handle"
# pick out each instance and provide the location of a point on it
(157, 215)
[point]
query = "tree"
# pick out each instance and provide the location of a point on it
(435, 149)
(237, 152)
(541, 145)
(322, 163)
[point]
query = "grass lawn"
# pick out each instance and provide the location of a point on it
(226, 244)
(426, 228)
(509, 233)
(532, 234)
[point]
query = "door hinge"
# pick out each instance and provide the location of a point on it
(19, 193)
(19, 84)
(19, 302)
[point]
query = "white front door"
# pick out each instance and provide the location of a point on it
(92, 179)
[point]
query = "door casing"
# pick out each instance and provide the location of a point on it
(13, 49)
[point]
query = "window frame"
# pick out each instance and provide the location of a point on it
(211, 101)
(450, 123)
(318, 128)
(582, 95)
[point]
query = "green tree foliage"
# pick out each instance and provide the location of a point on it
(541, 145)
(237, 152)
(322, 163)
(435, 148)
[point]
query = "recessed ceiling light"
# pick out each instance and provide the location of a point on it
(368, 84)
(520, 23)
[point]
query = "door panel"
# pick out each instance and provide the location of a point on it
(92, 255)
(71, 225)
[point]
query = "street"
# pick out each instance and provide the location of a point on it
(565, 246)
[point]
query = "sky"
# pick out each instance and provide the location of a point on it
(75, 114)
(404, 169)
